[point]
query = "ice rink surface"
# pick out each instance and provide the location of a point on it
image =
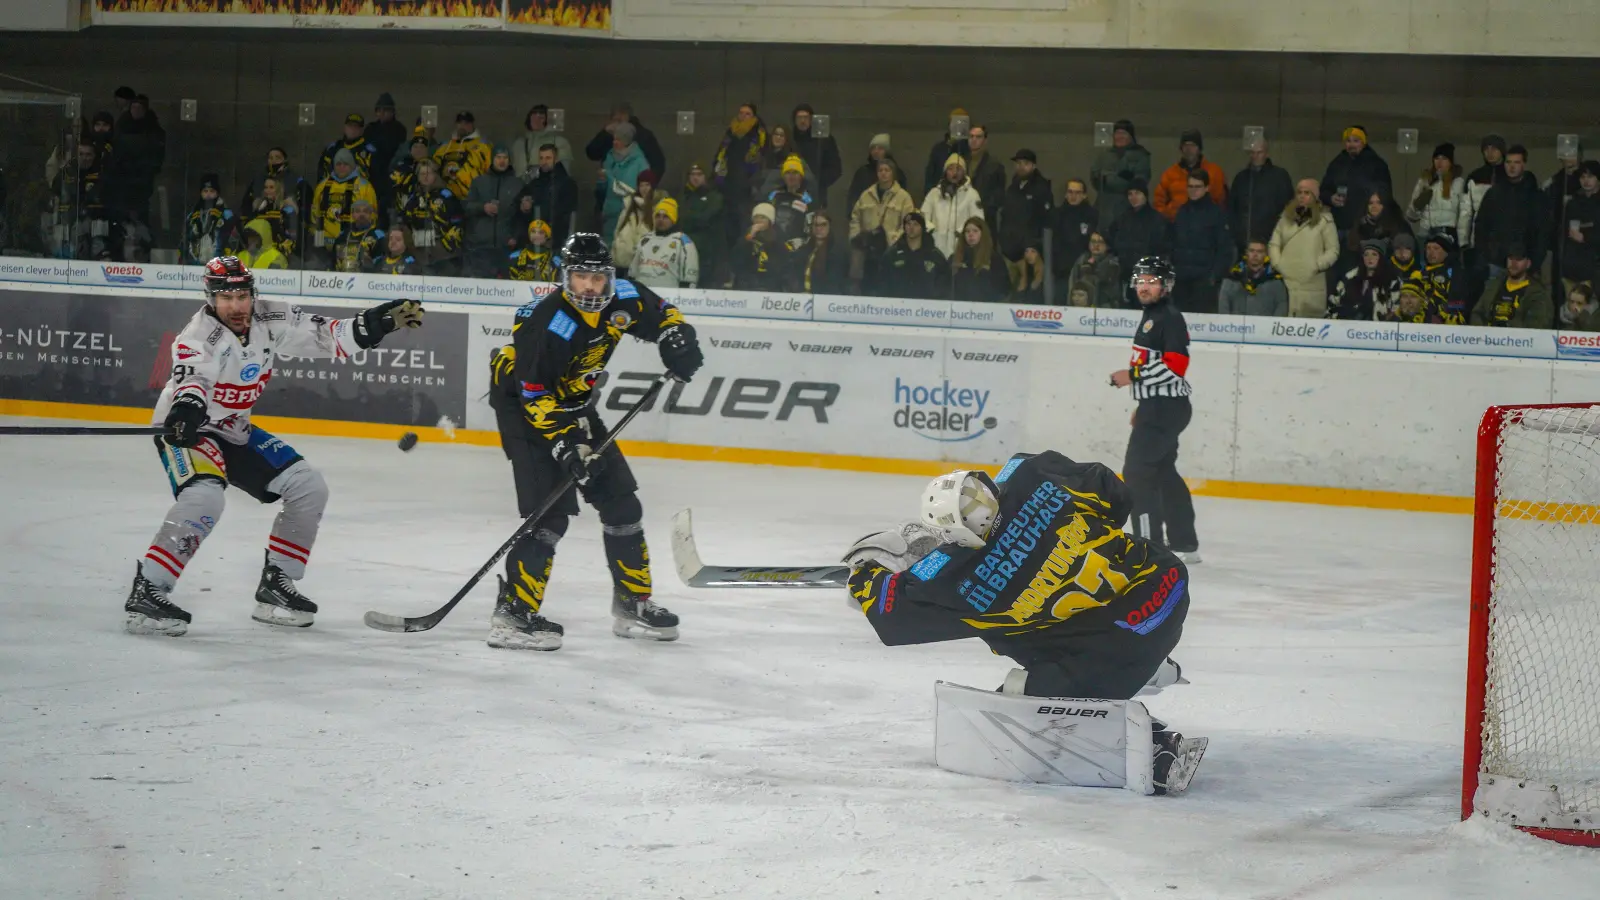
(777, 750)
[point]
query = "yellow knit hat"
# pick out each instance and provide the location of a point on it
(670, 207)
(793, 164)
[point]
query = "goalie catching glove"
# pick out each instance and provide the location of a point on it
(373, 324)
(896, 549)
(680, 351)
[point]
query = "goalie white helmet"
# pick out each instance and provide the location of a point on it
(963, 505)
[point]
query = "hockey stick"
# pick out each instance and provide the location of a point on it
(699, 575)
(78, 429)
(386, 622)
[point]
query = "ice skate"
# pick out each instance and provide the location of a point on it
(150, 612)
(1189, 557)
(278, 603)
(638, 617)
(515, 626)
(1176, 761)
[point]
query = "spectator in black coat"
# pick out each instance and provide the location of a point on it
(1351, 177)
(988, 174)
(554, 195)
(1202, 249)
(1074, 220)
(1578, 254)
(138, 151)
(821, 155)
(914, 268)
(1138, 232)
(1260, 192)
(867, 176)
(933, 172)
(978, 272)
(1025, 210)
(822, 264)
(385, 135)
(1513, 212)
(600, 145)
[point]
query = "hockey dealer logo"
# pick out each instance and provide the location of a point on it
(1150, 614)
(900, 352)
(1578, 346)
(970, 356)
(826, 349)
(122, 274)
(941, 412)
(1037, 319)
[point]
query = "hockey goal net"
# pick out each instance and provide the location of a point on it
(1533, 659)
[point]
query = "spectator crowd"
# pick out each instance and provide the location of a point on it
(1446, 246)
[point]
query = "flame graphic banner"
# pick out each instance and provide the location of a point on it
(589, 15)
(295, 13)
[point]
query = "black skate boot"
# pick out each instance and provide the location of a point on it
(515, 626)
(150, 612)
(637, 616)
(277, 601)
(1176, 760)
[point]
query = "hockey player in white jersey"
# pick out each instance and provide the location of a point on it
(221, 362)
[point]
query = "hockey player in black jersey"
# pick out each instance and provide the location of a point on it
(1158, 375)
(543, 397)
(1035, 564)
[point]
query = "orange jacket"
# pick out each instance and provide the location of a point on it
(1173, 189)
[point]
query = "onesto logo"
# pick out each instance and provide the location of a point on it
(123, 274)
(1578, 346)
(941, 412)
(1037, 319)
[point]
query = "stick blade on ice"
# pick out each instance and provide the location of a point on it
(697, 574)
(384, 621)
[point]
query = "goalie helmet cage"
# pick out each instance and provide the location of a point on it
(1532, 747)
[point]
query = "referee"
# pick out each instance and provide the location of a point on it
(1156, 373)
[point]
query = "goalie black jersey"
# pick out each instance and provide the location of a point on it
(1056, 559)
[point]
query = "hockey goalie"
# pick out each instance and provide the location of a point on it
(1035, 564)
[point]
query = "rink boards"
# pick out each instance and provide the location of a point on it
(1284, 417)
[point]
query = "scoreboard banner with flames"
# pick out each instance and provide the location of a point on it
(573, 16)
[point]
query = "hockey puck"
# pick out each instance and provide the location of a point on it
(408, 440)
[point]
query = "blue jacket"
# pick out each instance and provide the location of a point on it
(1202, 246)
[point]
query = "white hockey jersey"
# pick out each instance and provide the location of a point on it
(666, 261)
(209, 360)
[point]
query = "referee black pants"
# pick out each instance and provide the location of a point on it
(1163, 512)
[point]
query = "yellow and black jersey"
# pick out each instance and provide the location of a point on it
(559, 350)
(534, 264)
(1444, 299)
(1057, 558)
(434, 218)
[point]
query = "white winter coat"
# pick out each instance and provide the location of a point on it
(948, 215)
(1303, 252)
(1442, 212)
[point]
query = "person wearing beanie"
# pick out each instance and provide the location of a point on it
(933, 171)
(1403, 255)
(333, 203)
(666, 257)
(536, 260)
(820, 154)
(1115, 169)
(386, 136)
(792, 202)
(1492, 147)
(1171, 192)
(1369, 291)
(914, 268)
(1516, 298)
(867, 175)
(760, 260)
(1304, 247)
(210, 230)
(1139, 231)
(465, 156)
(1580, 230)
(352, 141)
(949, 205)
(1352, 177)
(537, 133)
(704, 220)
(623, 166)
(1439, 282)
(491, 207)
(636, 221)
(1441, 199)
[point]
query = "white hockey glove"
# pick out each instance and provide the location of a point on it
(895, 549)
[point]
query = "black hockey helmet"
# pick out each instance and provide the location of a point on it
(1154, 266)
(587, 252)
(227, 273)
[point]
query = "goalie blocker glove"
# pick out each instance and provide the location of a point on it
(680, 351)
(184, 420)
(373, 324)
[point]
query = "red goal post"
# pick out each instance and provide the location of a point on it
(1532, 744)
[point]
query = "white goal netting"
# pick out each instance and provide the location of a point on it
(1541, 714)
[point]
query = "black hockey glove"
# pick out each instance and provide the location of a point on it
(378, 321)
(680, 351)
(576, 459)
(184, 419)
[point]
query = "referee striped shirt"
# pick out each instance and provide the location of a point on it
(1160, 353)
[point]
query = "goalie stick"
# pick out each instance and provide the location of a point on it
(697, 574)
